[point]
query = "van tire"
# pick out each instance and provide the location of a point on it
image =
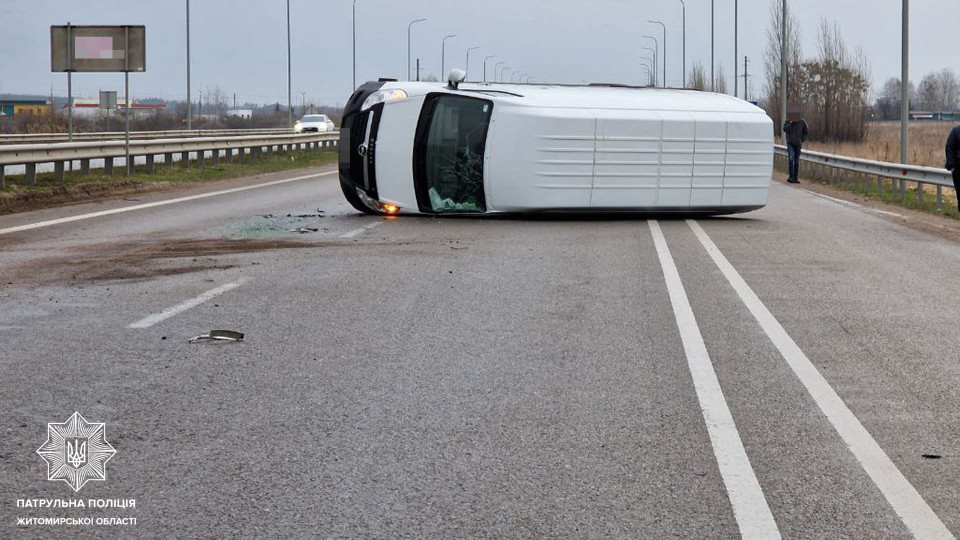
(350, 193)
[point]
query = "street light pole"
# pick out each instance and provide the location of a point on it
(189, 96)
(467, 71)
(354, 45)
(503, 70)
(713, 77)
(905, 84)
(783, 69)
(684, 5)
(289, 71)
(654, 64)
(443, 54)
(736, 52)
(409, 27)
(656, 58)
(485, 66)
(664, 50)
(496, 70)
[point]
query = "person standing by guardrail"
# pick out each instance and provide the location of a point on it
(797, 132)
(953, 159)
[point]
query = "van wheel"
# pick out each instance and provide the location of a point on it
(350, 193)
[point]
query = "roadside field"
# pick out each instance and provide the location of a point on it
(927, 140)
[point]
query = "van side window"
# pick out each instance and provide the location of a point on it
(452, 139)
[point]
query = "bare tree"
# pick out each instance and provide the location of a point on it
(720, 85)
(939, 91)
(887, 106)
(698, 77)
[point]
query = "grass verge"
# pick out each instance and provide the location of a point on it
(18, 196)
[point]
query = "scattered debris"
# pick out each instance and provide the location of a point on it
(219, 335)
(931, 456)
(305, 216)
(305, 230)
(267, 216)
(458, 248)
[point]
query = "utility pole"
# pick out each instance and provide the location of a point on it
(289, 73)
(905, 84)
(189, 95)
(409, 27)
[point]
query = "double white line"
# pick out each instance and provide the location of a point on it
(746, 496)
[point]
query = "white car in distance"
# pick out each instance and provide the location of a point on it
(314, 123)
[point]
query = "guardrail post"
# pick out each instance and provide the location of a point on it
(30, 169)
(184, 159)
(108, 166)
(920, 195)
(168, 159)
(903, 190)
(229, 155)
(200, 158)
(58, 171)
(240, 154)
(84, 167)
(3, 179)
(215, 156)
(939, 198)
(149, 164)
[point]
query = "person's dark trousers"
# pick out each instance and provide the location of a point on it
(956, 183)
(794, 152)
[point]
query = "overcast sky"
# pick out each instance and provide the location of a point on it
(240, 45)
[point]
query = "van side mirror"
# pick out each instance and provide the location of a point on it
(456, 77)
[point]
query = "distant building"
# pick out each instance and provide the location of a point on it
(25, 106)
(243, 114)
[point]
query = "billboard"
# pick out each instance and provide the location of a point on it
(98, 48)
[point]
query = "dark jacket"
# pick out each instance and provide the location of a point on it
(953, 148)
(797, 132)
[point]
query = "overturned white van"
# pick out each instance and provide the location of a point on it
(410, 147)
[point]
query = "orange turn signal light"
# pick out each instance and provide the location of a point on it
(390, 208)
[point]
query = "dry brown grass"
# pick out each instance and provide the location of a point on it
(927, 140)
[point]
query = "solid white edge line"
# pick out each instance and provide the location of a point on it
(919, 518)
(749, 504)
(361, 230)
(151, 320)
(144, 206)
(854, 205)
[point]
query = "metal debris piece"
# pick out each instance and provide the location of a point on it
(305, 230)
(219, 335)
(267, 216)
(304, 216)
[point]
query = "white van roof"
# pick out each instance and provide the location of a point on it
(594, 96)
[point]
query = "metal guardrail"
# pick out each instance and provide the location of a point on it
(25, 138)
(59, 154)
(871, 176)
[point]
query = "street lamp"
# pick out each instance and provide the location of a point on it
(514, 74)
(653, 64)
(664, 50)
(409, 27)
(496, 69)
(503, 70)
(713, 26)
(354, 44)
(645, 69)
(736, 50)
(783, 69)
(656, 58)
(904, 81)
(467, 71)
(485, 66)
(289, 71)
(189, 98)
(684, 5)
(443, 54)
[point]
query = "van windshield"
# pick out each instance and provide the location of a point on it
(314, 119)
(452, 139)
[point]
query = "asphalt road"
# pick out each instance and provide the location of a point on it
(779, 373)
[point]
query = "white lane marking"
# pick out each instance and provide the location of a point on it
(855, 205)
(746, 496)
(902, 496)
(144, 206)
(184, 306)
(361, 230)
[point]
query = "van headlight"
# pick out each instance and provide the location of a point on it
(383, 96)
